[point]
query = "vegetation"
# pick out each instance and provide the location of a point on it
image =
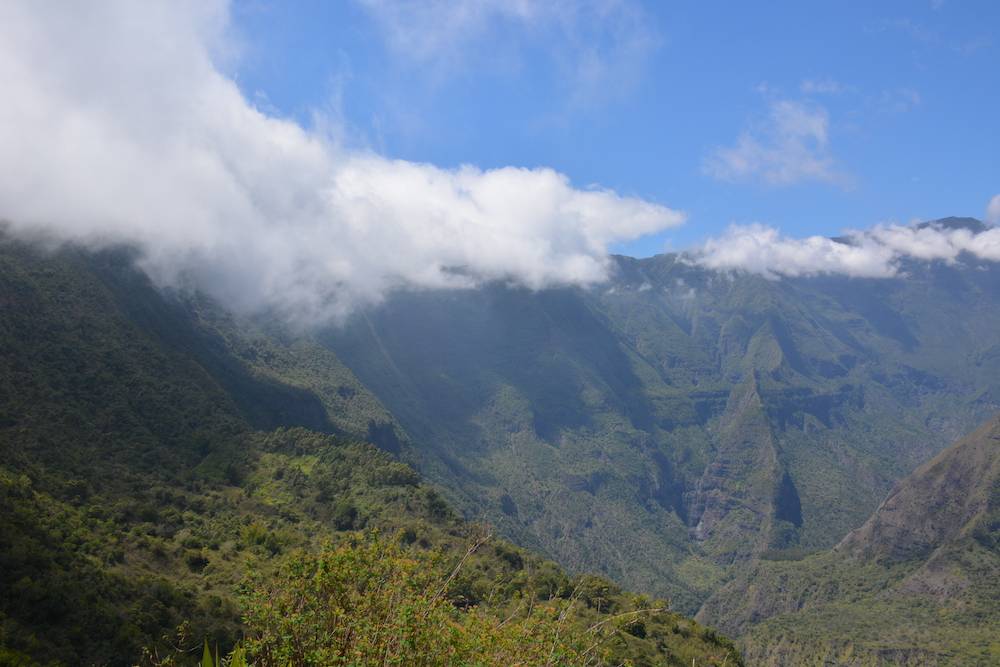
(154, 475)
(670, 426)
(700, 438)
(373, 602)
(874, 615)
(917, 584)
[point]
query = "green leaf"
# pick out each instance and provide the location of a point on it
(238, 658)
(206, 656)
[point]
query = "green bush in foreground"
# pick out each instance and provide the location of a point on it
(374, 602)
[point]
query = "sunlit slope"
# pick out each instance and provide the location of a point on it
(917, 584)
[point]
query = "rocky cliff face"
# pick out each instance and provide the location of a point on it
(745, 494)
(916, 584)
(950, 497)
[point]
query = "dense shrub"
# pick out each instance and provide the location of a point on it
(374, 602)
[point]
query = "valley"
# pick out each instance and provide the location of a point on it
(673, 425)
(716, 440)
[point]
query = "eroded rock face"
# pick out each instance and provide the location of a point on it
(734, 502)
(934, 505)
(916, 584)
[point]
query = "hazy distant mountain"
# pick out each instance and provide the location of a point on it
(968, 224)
(917, 584)
(678, 421)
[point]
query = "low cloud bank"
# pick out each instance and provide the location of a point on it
(875, 253)
(118, 126)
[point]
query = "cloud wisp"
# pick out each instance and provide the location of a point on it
(598, 47)
(876, 253)
(993, 210)
(119, 127)
(790, 146)
(823, 86)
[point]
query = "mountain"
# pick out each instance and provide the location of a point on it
(955, 495)
(952, 223)
(157, 454)
(916, 584)
(675, 430)
(676, 423)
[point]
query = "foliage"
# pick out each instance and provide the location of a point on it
(149, 458)
(371, 601)
(374, 602)
(666, 428)
(917, 584)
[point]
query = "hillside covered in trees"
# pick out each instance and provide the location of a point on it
(916, 584)
(168, 477)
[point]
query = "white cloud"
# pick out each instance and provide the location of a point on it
(765, 251)
(117, 126)
(599, 47)
(437, 30)
(790, 146)
(993, 210)
(876, 253)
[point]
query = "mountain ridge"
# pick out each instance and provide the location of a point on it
(926, 509)
(676, 429)
(622, 390)
(915, 584)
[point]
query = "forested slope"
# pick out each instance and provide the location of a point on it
(670, 426)
(155, 453)
(917, 584)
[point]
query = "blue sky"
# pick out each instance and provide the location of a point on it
(311, 158)
(809, 116)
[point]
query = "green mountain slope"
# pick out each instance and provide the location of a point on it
(674, 429)
(678, 422)
(153, 449)
(917, 584)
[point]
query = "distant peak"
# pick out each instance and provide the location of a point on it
(971, 224)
